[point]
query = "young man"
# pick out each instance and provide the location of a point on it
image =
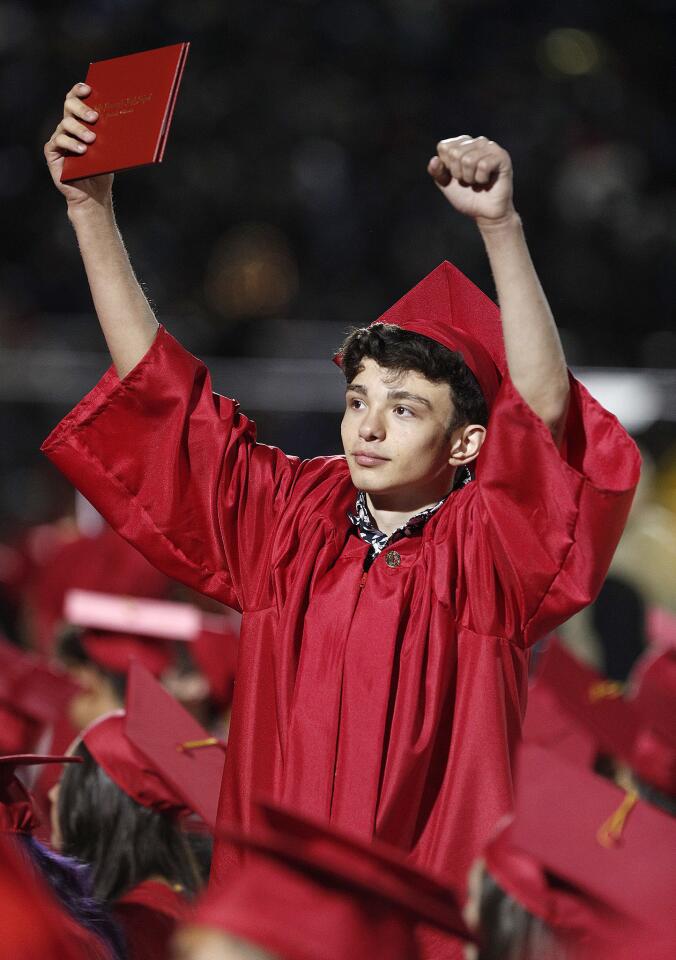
(387, 604)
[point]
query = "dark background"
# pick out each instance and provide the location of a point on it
(293, 201)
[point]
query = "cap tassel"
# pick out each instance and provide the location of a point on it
(605, 690)
(611, 831)
(197, 744)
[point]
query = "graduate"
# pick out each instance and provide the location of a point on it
(389, 596)
(33, 924)
(582, 871)
(128, 807)
(67, 879)
(311, 892)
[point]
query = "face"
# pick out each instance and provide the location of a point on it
(205, 943)
(396, 440)
(53, 795)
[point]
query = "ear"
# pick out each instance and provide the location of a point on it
(466, 442)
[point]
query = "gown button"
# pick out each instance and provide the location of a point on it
(392, 558)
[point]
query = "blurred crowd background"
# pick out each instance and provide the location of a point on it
(293, 203)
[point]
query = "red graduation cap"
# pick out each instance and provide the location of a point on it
(31, 687)
(548, 724)
(447, 307)
(119, 629)
(307, 890)
(33, 925)
(618, 727)
(652, 691)
(214, 651)
(102, 562)
(17, 813)
(157, 752)
(592, 861)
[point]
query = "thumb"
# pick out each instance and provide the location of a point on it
(439, 172)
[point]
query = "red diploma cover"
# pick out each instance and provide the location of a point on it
(135, 98)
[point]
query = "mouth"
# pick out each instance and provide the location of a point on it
(368, 459)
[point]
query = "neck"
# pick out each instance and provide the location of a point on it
(389, 517)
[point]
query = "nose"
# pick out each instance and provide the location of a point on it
(372, 427)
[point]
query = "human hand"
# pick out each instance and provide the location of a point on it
(475, 176)
(71, 137)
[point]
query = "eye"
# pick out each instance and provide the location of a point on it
(403, 412)
(354, 403)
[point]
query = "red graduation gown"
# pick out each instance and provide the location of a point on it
(390, 706)
(149, 916)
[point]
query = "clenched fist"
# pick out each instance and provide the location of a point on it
(475, 176)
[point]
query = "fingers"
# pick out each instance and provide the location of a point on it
(73, 105)
(473, 161)
(71, 135)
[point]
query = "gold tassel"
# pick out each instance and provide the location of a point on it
(197, 744)
(605, 690)
(610, 832)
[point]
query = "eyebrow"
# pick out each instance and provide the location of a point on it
(392, 394)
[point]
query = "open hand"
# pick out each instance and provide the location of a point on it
(475, 176)
(72, 137)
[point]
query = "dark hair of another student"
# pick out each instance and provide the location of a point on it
(401, 351)
(124, 842)
(658, 798)
(509, 932)
(71, 883)
(71, 652)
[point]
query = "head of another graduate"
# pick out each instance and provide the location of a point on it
(421, 382)
(148, 773)
(105, 634)
(582, 870)
(308, 890)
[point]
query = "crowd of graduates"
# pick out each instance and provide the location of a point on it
(354, 725)
(115, 685)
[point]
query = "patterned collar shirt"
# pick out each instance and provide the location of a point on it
(366, 527)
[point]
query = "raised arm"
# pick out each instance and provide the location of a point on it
(475, 176)
(128, 324)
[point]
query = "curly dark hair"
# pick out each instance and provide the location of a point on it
(401, 350)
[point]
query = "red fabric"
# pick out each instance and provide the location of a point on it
(103, 562)
(126, 766)
(311, 892)
(149, 916)
(33, 925)
(17, 812)
(613, 886)
(115, 651)
(391, 710)
(447, 307)
(59, 738)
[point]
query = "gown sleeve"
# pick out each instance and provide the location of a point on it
(177, 471)
(546, 519)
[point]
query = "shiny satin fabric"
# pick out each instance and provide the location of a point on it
(149, 916)
(390, 707)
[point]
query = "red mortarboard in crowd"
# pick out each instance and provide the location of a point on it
(596, 863)
(119, 629)
(548, 724)
(652, 691)
(17, 813)
(33, 926)
(619, 727)
(214, 651)
(447, 307)
(307, 890)
(157, 753)
(32, 694)
(103, 562)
